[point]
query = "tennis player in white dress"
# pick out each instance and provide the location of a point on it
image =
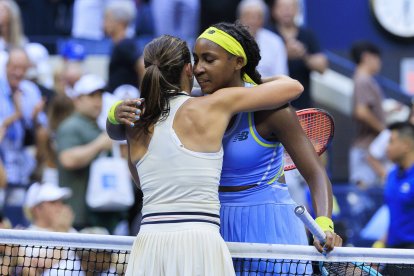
(176, 151)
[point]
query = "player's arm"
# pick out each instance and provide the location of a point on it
(285, 125)
(133, 169)
(122, 114)
(273, 78)
(226, 102)
(266, 96)
(115, 132)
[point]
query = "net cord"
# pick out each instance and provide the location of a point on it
(309, 253)
(238, 250)
(56, 239)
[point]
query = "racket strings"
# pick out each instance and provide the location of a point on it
(318, 127)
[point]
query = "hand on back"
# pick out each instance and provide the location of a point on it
(129, 111)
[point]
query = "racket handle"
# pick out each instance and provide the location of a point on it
(310, 223)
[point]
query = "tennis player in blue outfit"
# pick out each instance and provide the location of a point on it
(255, 203)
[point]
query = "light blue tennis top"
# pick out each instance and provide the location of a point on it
(249, 158)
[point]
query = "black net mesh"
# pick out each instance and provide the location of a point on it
(268, 267)
(46, 253)
(45, 260)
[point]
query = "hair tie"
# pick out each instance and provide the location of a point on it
(155, 63)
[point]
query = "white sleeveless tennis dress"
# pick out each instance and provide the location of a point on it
(179, 233)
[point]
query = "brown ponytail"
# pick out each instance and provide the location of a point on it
(164, 60)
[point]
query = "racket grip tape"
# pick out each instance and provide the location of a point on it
(310, 223)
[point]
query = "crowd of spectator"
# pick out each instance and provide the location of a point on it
(52, 119)
(52, 115)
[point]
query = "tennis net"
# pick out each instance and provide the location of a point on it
(24, 252)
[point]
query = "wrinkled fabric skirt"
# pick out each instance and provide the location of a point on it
(185, 249)
(263, 214)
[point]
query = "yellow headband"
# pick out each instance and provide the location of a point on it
(228, 43)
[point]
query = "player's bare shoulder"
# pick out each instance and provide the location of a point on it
(195, 111)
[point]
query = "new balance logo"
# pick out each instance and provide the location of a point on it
(241, 136)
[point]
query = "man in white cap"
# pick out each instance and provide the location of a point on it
(79, 142)
(46, 209)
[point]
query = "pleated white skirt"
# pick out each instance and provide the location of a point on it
(185, 249)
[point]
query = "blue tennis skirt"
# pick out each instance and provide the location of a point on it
(263, 214)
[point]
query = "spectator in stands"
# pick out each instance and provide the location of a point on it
(72, 72)
(79, 142)
(377, 157)
(69, 71)
(40, 71)
(21, 117)
(272, 49)
(367, 112)
(59, 109)
(73, 51)
(45, 208)
(124, 60)
(39, 74)
(11, 33)
(399, 187)
(12, 36)
(303, 51)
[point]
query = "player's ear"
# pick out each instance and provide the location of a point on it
(239, 63)
(189, 70)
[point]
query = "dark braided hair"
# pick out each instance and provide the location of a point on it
(250, 47)
(164, 59)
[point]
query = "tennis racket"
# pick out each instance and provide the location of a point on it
(318, 126)
(332, 268)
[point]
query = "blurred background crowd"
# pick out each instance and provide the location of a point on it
(64, 62)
